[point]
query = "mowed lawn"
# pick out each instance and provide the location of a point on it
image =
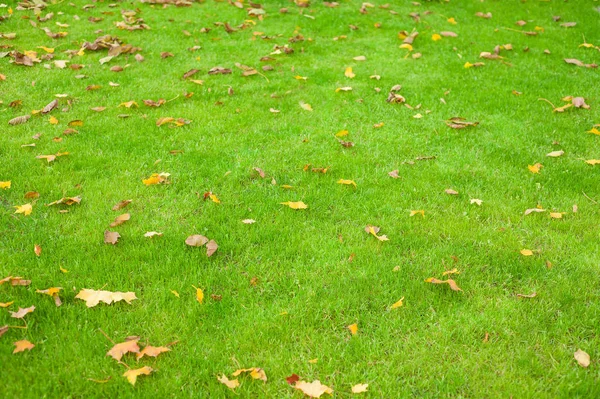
(280, 293)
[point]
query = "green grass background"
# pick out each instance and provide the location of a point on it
(431, 347)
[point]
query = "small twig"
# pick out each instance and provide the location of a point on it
(24, 328)
(586, 196)
(174, 98)
(106, 335)
(128, 368)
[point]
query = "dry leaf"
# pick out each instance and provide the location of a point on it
(19, 314)
(111, 237)
(196, 240)
(211, 248)
(119, 220)
(5, 185)
(53, 292)
(349, 74)
(121, 205)
(232, 384)
(418, 212)
(347, 182)
(398, 304)
(394, 174)
(92, 297)
(14, 281)
(152, 351)
(527, 295)
(451, 283)
(449, 191)
(582, 358)
(156, 178)
(314, 389)
(255, 372)
(526, 252)
(151, 234)
(359, 388)
(23, 345)
(306, 106)
(248, 221)
(19, 120)
(132, 375)
(373, 230)
(117, 351)
(459, 123)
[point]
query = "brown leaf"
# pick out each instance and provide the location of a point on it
(119, 220)
(19, 120)
(51, 106)
(121, 205)
(211, 248)
(14, 281)
(196, 240)
(451, 283)
(152, 351)
(111, 237)
(292, 379)
(23, 345)
(459, 123)
(527, 295)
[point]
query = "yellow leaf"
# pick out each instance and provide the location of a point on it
(298, 77)
(255, 372)
(582, 358)
(232, 384)
(199, 295)
(63, 270)
(306, 106)
(378, 125)
(593, 162)
(162, 121)
(47, 49)
(119, 350)
(468, 65)
(586, 45)
(175, 293)
(539, 28)
(594, 131)
(156, 178)
(398, 304)
(359, 388)
(295, 205)
(24, 209)
(152, 351)
(349, 73)
(406, 46)
(214, 199)
(129, 104)
(5, 184)
(419, 212)
(53, 120)
(453, 271)
(341, 133)
(347, 182)
(353, 328)
(526, 252)
(132, 375)
(313, 361)
(556, 215)
(535, 168)
(7, 304)
(93, 298)
(435, 37)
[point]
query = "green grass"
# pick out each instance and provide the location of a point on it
(432, 346)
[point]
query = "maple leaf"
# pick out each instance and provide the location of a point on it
(314, 389)
(132, 375)
(255, 372)
(19, 314)
(295, 205)
(23, 345)
(451, 283)
(117, 351)
(232, 384)
(24, 209)
(92, 297)
(152, 351)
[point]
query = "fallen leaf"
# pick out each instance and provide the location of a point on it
(295, 205)
(292, 379)
(93, 298)
(418, 212)
(232, 384)
(347, 182)
(349, 74)
(119, 220)
(359, 388)
(526, 252)
(306, 106)
(22, 312)
(53, 292)
(23, 345)
(6, 304)
(24, 209)
(255, 372)
(449, 191)
(111, 237)
(211, 248)
(398, 304)
(118, 350)
(527, 295)
(152, 351)
(121, 205)
(199, 295)
(314, 389)
(5, 185)
(451, 283)
(196, 240)
(373, 230)
(353, 328)
(583, 359)
(132, 375)
(151, 234)
(248, 221)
